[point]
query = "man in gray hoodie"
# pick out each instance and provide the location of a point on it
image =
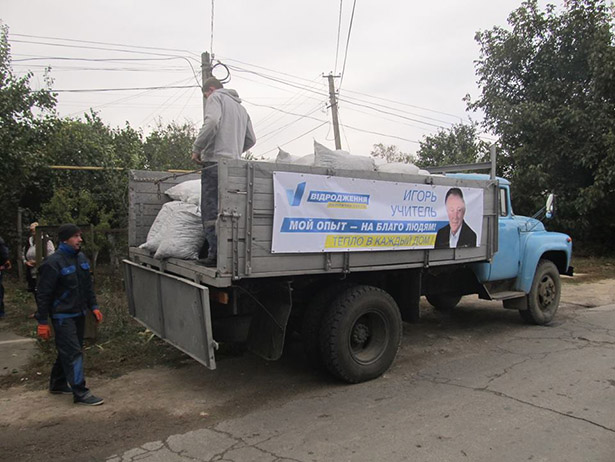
(226, 133)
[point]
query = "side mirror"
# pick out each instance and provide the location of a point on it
(550, 206)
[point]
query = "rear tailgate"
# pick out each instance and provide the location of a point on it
(175, 309)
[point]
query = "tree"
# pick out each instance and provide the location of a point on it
(170, 147)
(91, 143)
(459, 145)
(548, 90)
(26, 117)
(391, 153)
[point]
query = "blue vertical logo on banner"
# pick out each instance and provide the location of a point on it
(294, 197)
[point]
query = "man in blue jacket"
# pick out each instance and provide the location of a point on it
(226, 133)
(65, 295)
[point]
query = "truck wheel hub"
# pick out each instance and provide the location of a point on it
(360, 334)
(547, 291)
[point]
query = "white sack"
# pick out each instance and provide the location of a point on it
(284, 157)
(399, 167)
(325, 157)
(305, 160)
(156, 232)
(187, 191)
(183, 236)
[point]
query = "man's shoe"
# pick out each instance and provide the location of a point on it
(61, 390)
(89, 400)
(209, 261)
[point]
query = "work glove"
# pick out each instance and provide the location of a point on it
(98, 314)
(44, 331)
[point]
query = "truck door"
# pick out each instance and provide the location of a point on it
(506, 261)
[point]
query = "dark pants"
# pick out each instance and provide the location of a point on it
(69, 364)
(1, 296)
(209, 205)
(31, 279)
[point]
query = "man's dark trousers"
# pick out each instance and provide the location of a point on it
(69, 363)
(209, 205)
(1, 296)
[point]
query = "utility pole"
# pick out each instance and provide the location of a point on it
(205, 74)
(333, 103)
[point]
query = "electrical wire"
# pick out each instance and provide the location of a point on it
(95, 90)
(354, 4)
(337, 45)
(110, 49)
(294, 139)
(100, 43)
(211, 46)
(166, 56)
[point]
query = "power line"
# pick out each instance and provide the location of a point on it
(108, 49)
(345, 91)
(354, 4)
(211, 47)
(296, 138)
(337, 45)
(101, 43)
(93, 90)
(70, 58)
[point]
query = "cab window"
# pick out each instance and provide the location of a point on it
(503, 202)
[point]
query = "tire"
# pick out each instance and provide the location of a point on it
(361, 333)
(544, 296)
(312, 320)
(443, 302)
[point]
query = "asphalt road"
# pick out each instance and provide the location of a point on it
(477, 385)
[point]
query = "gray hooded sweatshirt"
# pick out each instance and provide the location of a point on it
(227, 131)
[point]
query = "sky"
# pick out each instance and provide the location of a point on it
(402, 67)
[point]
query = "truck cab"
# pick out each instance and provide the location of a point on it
(524, 272)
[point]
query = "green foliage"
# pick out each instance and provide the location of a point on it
(459, 145)
(548, 91)
(170, 147)
(97, 197)
(391, 153)
(26, 116)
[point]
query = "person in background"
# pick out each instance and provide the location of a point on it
(29, 254)
(5, 264)
(65, 295)
(226, 133)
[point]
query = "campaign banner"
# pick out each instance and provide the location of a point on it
(319, 213)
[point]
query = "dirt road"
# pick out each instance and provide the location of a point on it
(149, 405)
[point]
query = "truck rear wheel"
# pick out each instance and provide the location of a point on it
(443, 302)
(312, 321)
(361, 333)
(543, 299)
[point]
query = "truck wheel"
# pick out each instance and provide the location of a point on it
(361, 333)
(443, 302)
(543, 299)
(312, 320)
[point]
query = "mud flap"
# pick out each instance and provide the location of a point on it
(268, 327)
(175, 309)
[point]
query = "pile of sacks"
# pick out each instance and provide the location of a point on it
(177, 231)
(343, 160)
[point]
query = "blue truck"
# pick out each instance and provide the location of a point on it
(343, 282)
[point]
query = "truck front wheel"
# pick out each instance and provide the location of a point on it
(543, 299)
(361, 333)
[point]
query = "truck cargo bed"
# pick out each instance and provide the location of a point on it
(245, 226)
